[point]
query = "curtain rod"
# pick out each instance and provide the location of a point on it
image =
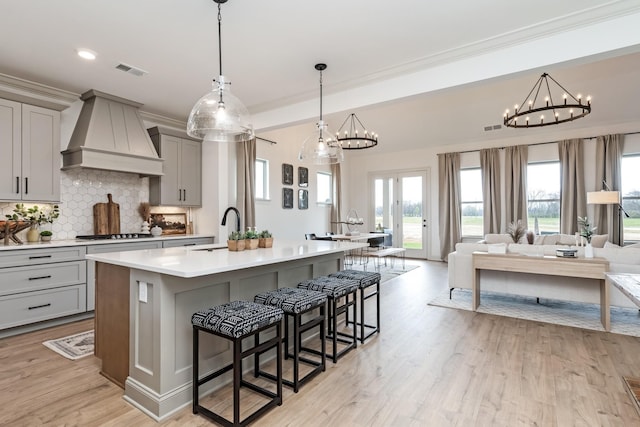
(537, 143)
(266, 140)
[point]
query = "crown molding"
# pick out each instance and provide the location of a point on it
(28, 92)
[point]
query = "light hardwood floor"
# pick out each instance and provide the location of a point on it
(430, 366)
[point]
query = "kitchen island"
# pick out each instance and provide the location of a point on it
(145, 299)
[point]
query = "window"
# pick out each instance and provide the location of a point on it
(262, 179)
(324, 190)
(543, 195)
(471, 202)
(630, 175)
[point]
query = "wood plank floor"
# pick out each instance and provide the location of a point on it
(430, 366)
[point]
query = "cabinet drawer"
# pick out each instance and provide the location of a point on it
(20, 257)
(24, 279)
(187, 242)
(21, 309)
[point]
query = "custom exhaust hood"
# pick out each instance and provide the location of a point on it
(110, 135)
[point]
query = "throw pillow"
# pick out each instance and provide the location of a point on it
(608, 245)
(598, 240)
(491, 239)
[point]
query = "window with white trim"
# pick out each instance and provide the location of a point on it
(543, 197)
(262, 179)
(324, 188)
(471, 202)
(630, 174)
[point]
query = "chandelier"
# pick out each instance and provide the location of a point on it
(538, 108)
(220, 116)
(355, 136)
(321, 148)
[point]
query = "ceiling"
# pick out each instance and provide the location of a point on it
(417, 72)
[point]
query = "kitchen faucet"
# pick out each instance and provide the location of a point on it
(224, 217)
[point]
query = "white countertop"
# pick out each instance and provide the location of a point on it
(78, 242)
(194, 261)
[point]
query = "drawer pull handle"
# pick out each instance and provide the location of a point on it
(40, 306)
(189, 244)
(39, 256)
(41, 277)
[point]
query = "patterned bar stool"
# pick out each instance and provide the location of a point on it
(366, 279)
(235, 321)
(335, 289)
(295, 303)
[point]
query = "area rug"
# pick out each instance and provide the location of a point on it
(387, 272)
(625, 321)
(633, 388)
(73, 347)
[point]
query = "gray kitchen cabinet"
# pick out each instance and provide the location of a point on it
(30, 146)
(181, 184)
(187, 242)
(41, 284)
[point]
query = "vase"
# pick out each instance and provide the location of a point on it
(588, 251)
(33, 235)
(156, 231)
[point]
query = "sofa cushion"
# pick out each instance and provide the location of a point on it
(598, 240)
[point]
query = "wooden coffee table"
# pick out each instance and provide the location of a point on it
(586, 268)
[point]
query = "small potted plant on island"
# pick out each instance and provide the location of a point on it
(236, 241)
(265, 240)
(251, 239)
(45, 235)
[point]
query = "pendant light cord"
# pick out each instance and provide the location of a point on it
(220, 36)
(320, 95)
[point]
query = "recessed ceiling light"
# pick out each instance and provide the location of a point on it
(87, 54)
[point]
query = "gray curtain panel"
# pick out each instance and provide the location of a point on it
(336, 204)
(449, 196)
(246, 162)
(608, 168)
(515, 183)
(573, 198)
(491, 200)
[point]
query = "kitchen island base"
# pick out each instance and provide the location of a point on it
(157, 333)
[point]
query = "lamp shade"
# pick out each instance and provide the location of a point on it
(603, 197)
(320, 147)
(220, 116)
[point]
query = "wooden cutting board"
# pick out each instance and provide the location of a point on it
(106, 217)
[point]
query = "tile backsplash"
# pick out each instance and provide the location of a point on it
(81, 189)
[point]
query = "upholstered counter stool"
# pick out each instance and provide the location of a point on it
(295, 303)
(336, 289)
(366, 280)
(236, 321)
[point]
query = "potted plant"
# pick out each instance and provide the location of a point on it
(265, 240)
(586, 231)
(236, 241)
(45, 235)
(251, 239)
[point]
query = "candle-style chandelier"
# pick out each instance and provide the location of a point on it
(538, 109)
(355, 136)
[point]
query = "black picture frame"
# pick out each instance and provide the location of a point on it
(303, 177)
(287, 198)
(287, 174)
(303, 199)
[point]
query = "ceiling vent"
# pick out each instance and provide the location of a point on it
(131, 69)
(492, 127)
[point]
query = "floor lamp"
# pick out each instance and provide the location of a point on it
(608, 197)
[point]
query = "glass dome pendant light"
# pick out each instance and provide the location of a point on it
(219, 116)
(321, 148)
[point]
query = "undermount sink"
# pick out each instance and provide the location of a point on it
(211, 249)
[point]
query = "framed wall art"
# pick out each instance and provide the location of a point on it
(303, 177)
(303, 199)
(171, 223)
(287, 198)
(287, 174)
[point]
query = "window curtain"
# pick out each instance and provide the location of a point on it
(490, 169)
(515, 171)
(608, 168)
(246, 162)
(573, 201)
(337, 198)
(449, 196)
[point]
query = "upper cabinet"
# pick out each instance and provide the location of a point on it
(30, 147)
(181, 184)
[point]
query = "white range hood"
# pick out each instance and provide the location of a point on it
(110, 135)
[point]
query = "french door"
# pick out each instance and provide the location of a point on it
(399, 206)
